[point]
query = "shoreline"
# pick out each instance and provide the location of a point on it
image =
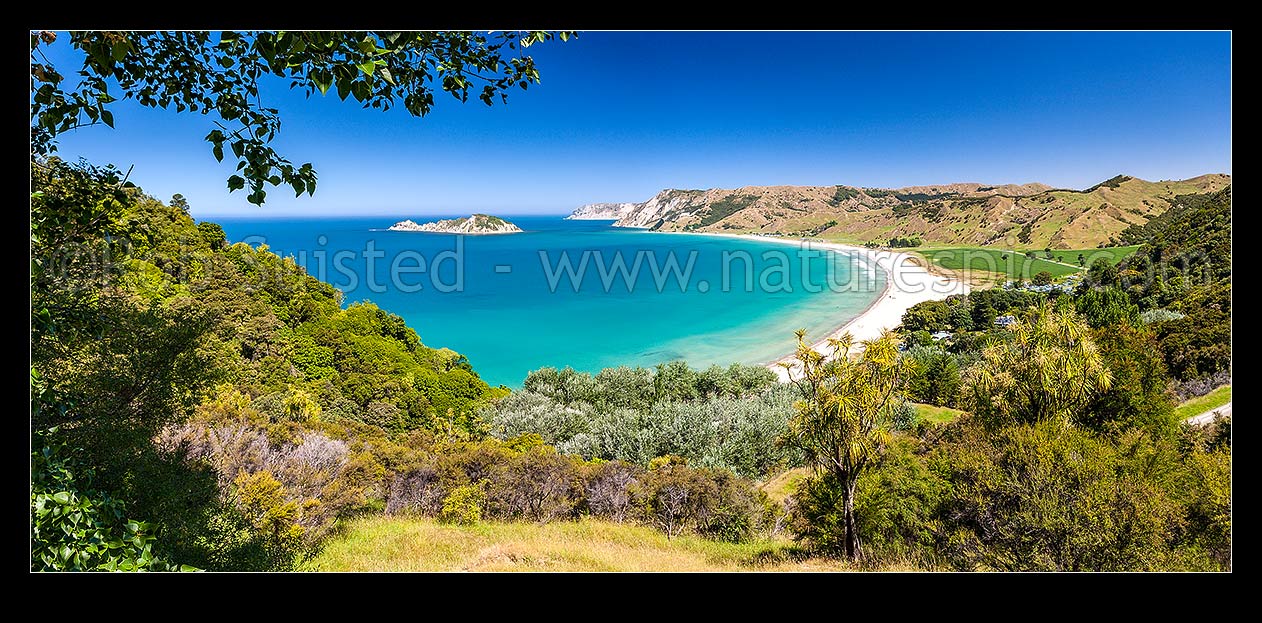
(907, 282)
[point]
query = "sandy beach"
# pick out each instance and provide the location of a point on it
(907, 282)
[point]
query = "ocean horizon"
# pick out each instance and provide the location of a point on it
(577, 292)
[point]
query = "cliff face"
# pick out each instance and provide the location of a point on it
(967, 214)
(477, 224)
(601, 211)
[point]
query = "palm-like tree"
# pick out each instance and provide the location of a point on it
(843, 416)
(1049, 369)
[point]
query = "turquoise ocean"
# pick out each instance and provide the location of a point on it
(506, 302)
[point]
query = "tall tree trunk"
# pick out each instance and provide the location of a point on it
(853, 549)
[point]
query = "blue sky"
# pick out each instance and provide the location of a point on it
(620, 116)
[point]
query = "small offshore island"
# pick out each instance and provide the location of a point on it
(476, 225)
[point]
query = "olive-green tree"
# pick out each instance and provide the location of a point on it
(1049, 369)
(843, 415)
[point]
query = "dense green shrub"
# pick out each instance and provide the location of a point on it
(132, 349)
(815, 516)
(676, 498)
(934, 376)
(1139, 395)
(463, 505)
(1109, 306)
(535, 485)
(76, 528)
(903, 416)
(528, 411)
(524, 480)
(897, 509)
(1052, 497)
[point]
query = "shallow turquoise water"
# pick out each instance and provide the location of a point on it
(489, 297)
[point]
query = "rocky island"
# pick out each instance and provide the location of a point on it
(476, 225)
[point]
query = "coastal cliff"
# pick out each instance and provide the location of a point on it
(601, 211)
(477, 224)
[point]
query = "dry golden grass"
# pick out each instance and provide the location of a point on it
(414, 544)
(783, 484)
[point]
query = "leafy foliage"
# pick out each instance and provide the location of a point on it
(235, 360)
(463, 505)
(1138, 395)
(524, 480)
(896, 508)
(225, 74)
(76, 528)
(1049, 370)
(933, 376)
(844, 414)
(1109, 306)
(1184, 266)
(1049, 497)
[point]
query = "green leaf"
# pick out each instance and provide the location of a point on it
(218, 151)
(322, 80)
(367, 67)
(61, 497)
(107, 117)
(236, 182)
(385, 73)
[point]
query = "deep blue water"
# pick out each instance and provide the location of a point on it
(489, 297)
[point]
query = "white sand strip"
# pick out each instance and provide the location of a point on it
(907, 283)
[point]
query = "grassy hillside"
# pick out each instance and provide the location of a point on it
(1201, 404)
(405, 544)
(936, 414)
(1028, 216)
(1016, 264)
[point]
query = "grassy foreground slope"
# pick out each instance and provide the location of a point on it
(417, 544)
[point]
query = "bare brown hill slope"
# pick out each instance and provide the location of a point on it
(966, 214)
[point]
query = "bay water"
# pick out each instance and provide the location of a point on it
(509, 304)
